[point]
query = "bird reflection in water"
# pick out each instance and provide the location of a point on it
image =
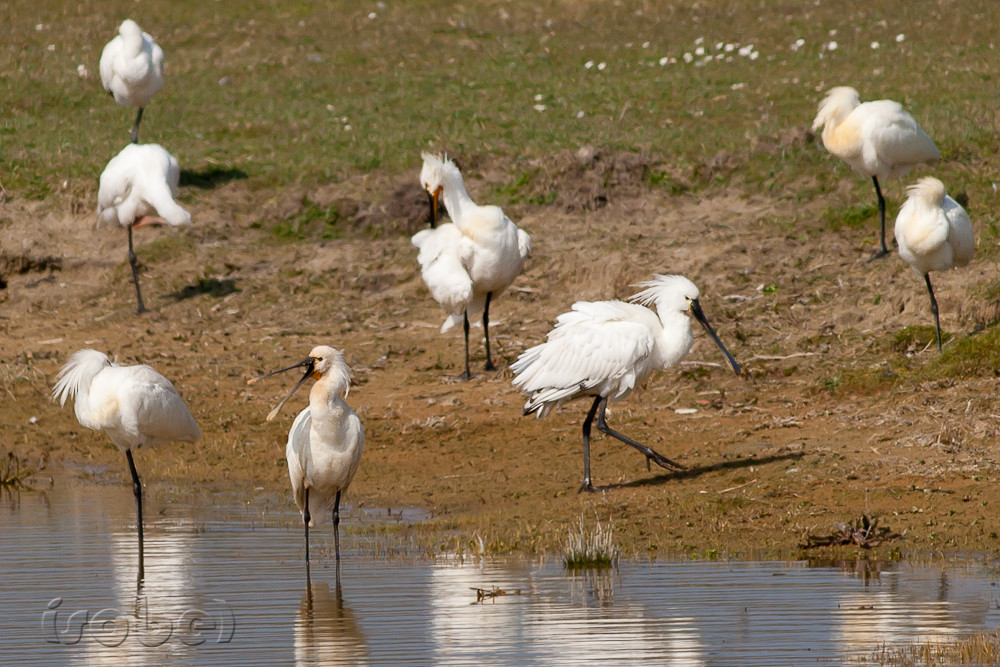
(326, 631)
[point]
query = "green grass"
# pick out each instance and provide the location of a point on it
(292, 92)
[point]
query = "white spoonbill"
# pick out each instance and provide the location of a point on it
(325, 441)
(466, 263)
(605, 349)
(877, 139)
(934, 233)
(132, 69)
(134, 405)
(138, 188)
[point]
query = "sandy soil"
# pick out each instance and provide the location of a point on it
(774, 456)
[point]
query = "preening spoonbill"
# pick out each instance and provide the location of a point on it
(138, 188)
(132, 69)
(134, 405)
(934, 233)
(468, 262)
(877, 139)
(605, 349)
(325, 441)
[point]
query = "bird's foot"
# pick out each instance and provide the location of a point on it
(464, 376)
(587, 486)
(879, 255)
(490, 366)
(663, 462)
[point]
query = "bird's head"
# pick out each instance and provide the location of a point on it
(678, 294)
(322, 360)
(434, 174)
(838, 102)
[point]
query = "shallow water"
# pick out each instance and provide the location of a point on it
(226, 585)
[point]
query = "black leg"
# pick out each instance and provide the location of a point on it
(934, 309)
(881, 215)
(587, 486)
(486, 328)
(336, 526)
(465, 327)
(135, 128)
(305, 521)
(132, 260)
(137, 492)
(658, 459)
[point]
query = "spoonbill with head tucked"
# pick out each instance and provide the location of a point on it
(605, 349)
(325, 441)
(132, 69)
(468, 262)
(934, 233)
(134, 405)
(877, 139)
(137, 188)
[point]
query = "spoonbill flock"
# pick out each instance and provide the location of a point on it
(600, 350)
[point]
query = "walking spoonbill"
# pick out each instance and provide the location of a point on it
(934, 233)
(877, 139)
(468, 262)
(134, 405)
(325, 442)
(137, 188)
(132, 69)
(605, 349)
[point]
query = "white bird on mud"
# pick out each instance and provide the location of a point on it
(137, 188)
(934, 233)
(134, 405)
(605, 349)
(877, 139)
(469, 262)
(325, 442)
(132, 69)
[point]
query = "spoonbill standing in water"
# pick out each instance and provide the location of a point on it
(877, 139)
(605, 349)
(470, 261)
(134, 405)
(934, 233)
(137, 188)
(325, 441)
(132, 69)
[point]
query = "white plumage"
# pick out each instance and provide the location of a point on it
(879, 139)
(473, 259)
(606, 349)
(137, 188)
(325, 442)
(132, 69)
(934, 233)
(134, 405)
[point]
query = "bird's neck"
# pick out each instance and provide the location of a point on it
(456, 197)
(676, 338)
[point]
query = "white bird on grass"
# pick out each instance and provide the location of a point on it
(132, 69)
(325, 442)
(877, 139)
(605, 349)
(137, 188)
(469, 262)
(934, 233)
(134, 405)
